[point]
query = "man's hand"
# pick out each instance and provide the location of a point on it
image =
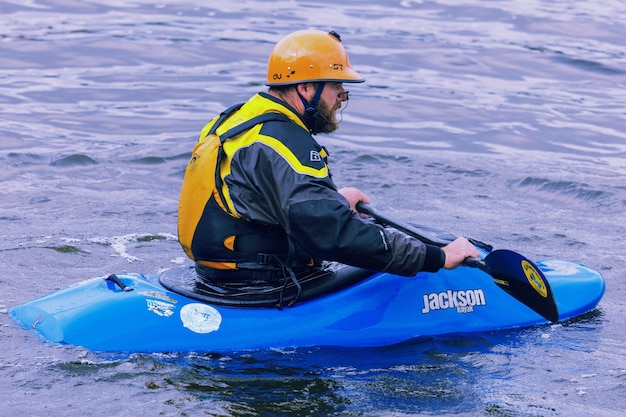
(457, 251)
(354, 195)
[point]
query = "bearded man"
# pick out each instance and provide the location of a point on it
(258, 201)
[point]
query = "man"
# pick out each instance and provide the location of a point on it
(258, 200)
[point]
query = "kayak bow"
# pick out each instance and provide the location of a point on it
(512, 272)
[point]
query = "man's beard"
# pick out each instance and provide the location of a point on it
(322, 120)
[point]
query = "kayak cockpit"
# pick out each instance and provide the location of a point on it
(318, 282)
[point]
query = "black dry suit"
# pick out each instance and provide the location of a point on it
(270, 202)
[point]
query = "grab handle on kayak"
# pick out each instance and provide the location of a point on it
(115, 279)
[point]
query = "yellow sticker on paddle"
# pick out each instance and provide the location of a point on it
(534, 278)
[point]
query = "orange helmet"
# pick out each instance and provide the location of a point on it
(310, 56)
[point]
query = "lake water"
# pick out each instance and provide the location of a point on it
(500, 120)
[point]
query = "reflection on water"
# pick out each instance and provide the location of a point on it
(499, 120)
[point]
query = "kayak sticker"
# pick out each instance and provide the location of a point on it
(463, 301)
(534, 278)
(160, 296)
(160, 308)
(200, 318)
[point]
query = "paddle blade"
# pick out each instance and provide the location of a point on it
(523, 280)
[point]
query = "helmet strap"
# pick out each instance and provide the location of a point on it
(310, 108)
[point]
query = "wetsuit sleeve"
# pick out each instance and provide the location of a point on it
(411, 255)
(330, 230)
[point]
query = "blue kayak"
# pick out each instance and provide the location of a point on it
(175, 312)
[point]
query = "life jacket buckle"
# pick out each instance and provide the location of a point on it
(264, 259)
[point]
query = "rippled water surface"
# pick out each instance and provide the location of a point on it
(501, 120)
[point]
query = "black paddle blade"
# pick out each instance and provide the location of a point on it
(523, 280)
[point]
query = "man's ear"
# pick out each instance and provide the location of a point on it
(306, 90)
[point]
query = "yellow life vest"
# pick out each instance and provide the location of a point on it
(202, 195)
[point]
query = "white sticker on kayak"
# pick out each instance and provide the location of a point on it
(200, 318)
(160, 308)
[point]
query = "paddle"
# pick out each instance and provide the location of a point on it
(512, 272)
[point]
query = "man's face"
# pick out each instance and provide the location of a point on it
(333, 96)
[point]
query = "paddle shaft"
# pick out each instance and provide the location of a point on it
(366, 209)
(472, 262)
